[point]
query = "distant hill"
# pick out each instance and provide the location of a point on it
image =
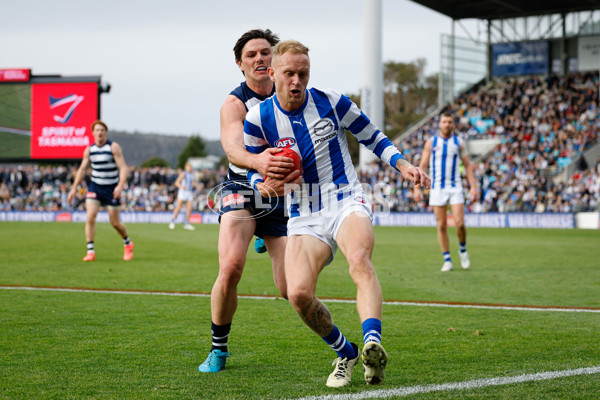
(138, 147)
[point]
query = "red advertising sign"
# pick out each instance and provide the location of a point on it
(61, 115)
(15, 75)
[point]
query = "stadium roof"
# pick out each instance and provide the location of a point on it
(499, 9)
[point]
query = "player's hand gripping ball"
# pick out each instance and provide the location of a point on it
(289, 153)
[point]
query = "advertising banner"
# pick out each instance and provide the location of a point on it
(483, 220)
(15, 75)
(588, 53)
(61, 115)
(520, 58)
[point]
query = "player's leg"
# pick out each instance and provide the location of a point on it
(356, 240)
(235, 233)
(305, 257)
(276, 248)
(91, 207)
(442, 235)
(115, 221)
(188, 214)
(178, 204)
(458, 213)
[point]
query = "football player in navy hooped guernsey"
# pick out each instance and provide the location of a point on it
(241, 216)
(329, 209)
(109, 175)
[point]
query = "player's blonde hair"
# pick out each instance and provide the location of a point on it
(289, 46)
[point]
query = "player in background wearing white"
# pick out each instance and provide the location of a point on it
(329, 209)
(241, 216)
(443, 152)
(109, 174)
(185, 183)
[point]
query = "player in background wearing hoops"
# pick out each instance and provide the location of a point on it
(443, 152)
(109, 175)
(185, 183)
(242, 214)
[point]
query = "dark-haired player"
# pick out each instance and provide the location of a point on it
(242, 216)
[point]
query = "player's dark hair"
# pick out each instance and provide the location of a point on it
(266, 34)
(447, 114)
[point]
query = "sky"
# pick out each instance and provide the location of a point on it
(170, 64)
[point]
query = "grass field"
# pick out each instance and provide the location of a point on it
(133, 345)
(15, 112)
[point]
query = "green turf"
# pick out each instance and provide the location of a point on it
(15, 112)
(15, 106)
(13, 145)
(71, 345)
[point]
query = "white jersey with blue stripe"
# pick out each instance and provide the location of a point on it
(104, 167)
(444, 162)
(188, 181)
(316, 131)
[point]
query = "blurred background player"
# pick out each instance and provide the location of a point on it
(109, 174)
(242, 216)
(330, 208)
(443, 152)
(185, 184)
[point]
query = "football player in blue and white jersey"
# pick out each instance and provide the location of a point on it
(328, 209)
(443, 153)
(242, 216)
(185, 184)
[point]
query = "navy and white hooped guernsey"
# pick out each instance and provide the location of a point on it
(250, 98)
(104, 168)
(316, 131)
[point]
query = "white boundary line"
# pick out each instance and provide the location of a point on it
(258, 297)
(478, 383)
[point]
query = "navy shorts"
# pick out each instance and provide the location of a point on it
(237, 194)
(103, 193)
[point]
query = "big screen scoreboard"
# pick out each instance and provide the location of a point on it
(50, 114)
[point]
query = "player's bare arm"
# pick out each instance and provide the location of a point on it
(266, 163)
(177, 183)
(473, 189)
(418, 194)
(123, 172)
(85, 162)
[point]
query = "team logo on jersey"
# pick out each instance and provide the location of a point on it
(72, 99)
(360, 199)
(285, 142)
(323, 127)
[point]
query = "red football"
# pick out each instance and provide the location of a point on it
(289, 153)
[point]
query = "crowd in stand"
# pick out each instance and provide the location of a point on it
(541, 125)
(45, 188)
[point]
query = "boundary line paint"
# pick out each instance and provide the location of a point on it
(324, 299)
(478, 383)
